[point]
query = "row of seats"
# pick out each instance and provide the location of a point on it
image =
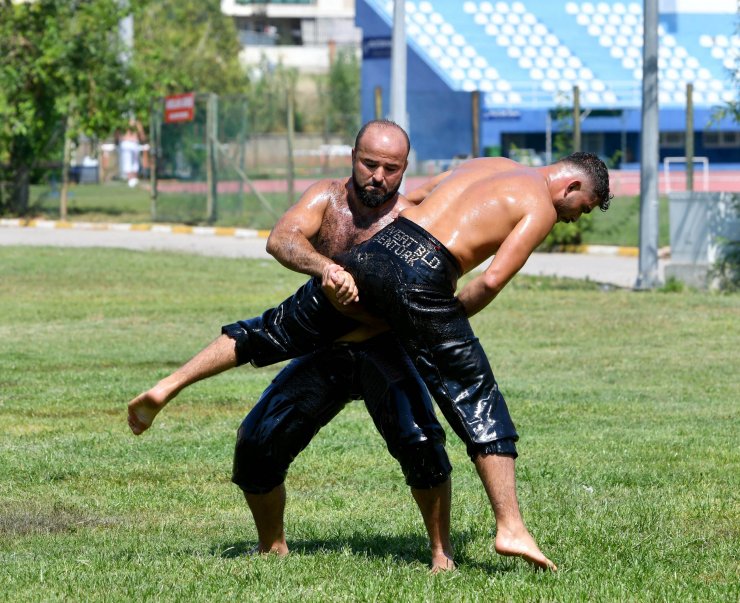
(503, 48)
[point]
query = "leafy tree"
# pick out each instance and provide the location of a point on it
(344, 95)
(64, 72)
(183, 46)
(61, 75)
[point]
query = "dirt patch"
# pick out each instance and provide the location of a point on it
(57, 519)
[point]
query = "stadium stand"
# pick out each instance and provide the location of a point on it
(524, 57)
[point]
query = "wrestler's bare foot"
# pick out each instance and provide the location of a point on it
(279, 549)
(144, 408)
(521, 544)
(442, 562)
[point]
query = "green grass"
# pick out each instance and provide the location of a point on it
(620, 225)
(626, 403)
(116, 202)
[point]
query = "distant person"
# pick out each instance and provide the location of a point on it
(129, 150)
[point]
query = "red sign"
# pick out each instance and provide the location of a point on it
(179, 107)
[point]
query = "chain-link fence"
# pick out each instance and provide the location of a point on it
(219, 168)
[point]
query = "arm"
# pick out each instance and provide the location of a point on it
(420, 193)
(513, 253)
(290, 241)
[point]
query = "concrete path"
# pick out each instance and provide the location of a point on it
(611, 269)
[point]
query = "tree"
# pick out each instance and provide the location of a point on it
(344, 95)
(182, 46)
(61, 75)
(64, 72)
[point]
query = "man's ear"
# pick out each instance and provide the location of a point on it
(574, 185)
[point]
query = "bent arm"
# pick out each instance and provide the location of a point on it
(509, 259)
(290, 240)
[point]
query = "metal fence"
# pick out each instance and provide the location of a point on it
(220, 167)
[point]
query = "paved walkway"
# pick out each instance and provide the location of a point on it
(607, 266)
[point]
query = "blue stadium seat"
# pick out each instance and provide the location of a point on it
(531, 53)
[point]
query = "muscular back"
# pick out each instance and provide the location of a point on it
(347, 222)
(474, 209)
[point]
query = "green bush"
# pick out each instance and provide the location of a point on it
(568, 233)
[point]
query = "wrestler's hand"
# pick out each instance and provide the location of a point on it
(338, 282)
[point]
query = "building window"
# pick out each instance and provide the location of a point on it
(672, 140)
(721, 140)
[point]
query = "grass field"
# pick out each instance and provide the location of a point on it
(629, 468)
(116, 202)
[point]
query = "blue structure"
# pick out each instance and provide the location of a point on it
(523, 59)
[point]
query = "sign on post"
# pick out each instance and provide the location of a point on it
(179, 108)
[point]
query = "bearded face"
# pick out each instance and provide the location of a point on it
(372, 197)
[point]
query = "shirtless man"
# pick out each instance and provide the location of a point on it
(329, 218)
(407, 274)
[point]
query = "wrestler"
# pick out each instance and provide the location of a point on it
(407, 273)
(328, 219)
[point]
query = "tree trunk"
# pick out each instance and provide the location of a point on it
(66, 160)
(19, 189)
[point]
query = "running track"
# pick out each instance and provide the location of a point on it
(623, 183)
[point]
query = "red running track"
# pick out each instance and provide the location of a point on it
(622, 183)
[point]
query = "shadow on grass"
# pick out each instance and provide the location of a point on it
(403, 549)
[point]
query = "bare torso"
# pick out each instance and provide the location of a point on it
(477, 206)
(346, 222)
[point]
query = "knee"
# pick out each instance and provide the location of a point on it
(257, 469)
(503, 447)
(425, 465)
(239, 332)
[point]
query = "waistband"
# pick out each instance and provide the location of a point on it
(416, 243)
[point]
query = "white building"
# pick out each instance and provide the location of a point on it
(299, 33)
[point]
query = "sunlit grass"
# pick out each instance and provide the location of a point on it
(626, 404)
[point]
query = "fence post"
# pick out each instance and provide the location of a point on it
(576, 119)
(291, 126)
(475, 114)
(155, 133)
(689, 137)
(211, 175)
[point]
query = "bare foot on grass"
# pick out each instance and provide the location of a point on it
(522, 545)
(442, 562)
(279, 550)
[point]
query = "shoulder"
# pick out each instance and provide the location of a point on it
(324, 192)
(327, 186)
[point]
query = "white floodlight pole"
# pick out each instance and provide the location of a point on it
(647, 277)
(398, 69)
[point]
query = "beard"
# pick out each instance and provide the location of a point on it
(372, 198)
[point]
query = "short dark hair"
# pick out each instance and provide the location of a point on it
(597, 173)
(383, 123)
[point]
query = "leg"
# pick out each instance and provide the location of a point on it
(512, 537)
(435, 504)
(304, 322)
(301, 399)
(435, 331)
(216, 358)
(268, 511)
(402, 411)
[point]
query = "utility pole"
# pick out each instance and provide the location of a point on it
(398, 69)
(647, 277)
